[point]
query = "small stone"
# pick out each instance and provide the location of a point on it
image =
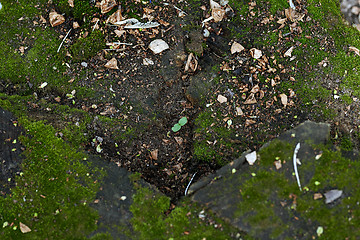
(221, 99)
(84, 64)
(332, 195)
(206, 33)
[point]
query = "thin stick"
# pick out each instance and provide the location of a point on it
(64, 40)
(187, 188)
(295, 165)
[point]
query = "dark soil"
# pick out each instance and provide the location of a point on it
(147, 100)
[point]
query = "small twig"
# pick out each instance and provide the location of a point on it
(64, 40)
(118, 43)
(187, 188)
(295, 165)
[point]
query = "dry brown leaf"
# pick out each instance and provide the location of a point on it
(239, 111)
(119, 33)
(191, 63)
(76, 25)
(251, 99)
(56, 19)
(24, 228)
(255, 53)
(148, 10)
(317, 196)
(107, 5)
(115, 17)
(71, 3)
(112, 64)
(154, 154)
(221, 99)
(236, 47)
(218, 14)
(281, 21)
(277, 164)
(255, 89)
(249, 122)
(293, 15)
(179, 140)
(355, 50)
(162, 22)
(42, 19)
(288, 52)
(214, 4)
(284, 99)
(108, 111)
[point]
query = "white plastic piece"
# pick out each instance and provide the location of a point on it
(158, 45)
(251, 158)
(295, 165)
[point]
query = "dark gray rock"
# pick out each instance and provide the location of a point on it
(10, 150)
(271, 215)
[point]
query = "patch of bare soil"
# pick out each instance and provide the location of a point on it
(225, 71)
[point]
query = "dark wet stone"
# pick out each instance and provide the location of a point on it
(10, 152)
(221, 192)
(114, 199)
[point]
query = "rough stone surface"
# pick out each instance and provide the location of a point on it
(10, 151)
(221, 193)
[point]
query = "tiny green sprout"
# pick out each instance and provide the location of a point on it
(317, 183)
(181, 122)
(116, 145)
(14, 228)
(253, 174)
(14, 141)
(35, 215)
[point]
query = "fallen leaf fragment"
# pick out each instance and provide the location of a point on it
(214, 4)
(317, 196)
(115, 17)
(158, 45)
(179, 140)
(284, 99)
(255, 53)
(112, 64)
(56, 19)
(251, 158)
(71, 3)
(236, 47)
(218, 14)
(288, 52)
(154, 154)
(107, 5)
(355, 50)
(24, 228)
(76, 25)
(251, 99)
(277, 164)
(239, 111)
(249, 122)
(221, 99)
(191, 63)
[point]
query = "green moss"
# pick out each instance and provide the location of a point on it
(213, 142)
(346, 143)
(53, 190)
(85, 48)
(81, 9)
(276, 150)
(150, 221)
